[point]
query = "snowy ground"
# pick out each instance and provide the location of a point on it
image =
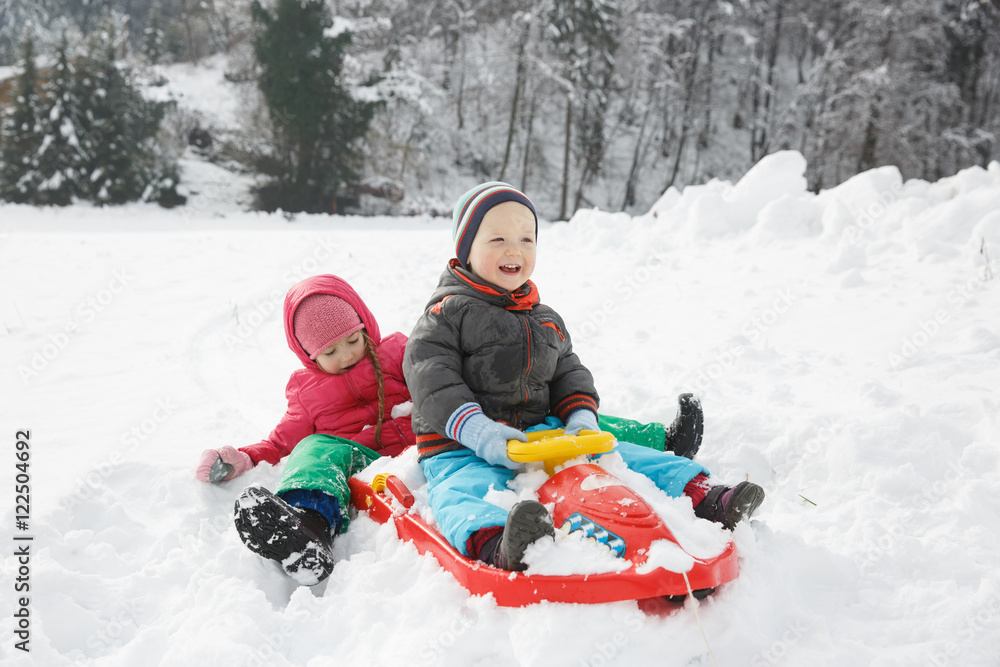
(846, 347)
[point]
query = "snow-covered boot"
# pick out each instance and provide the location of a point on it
(527, 522)
(299, 539)
(683, 437)
(729, 506)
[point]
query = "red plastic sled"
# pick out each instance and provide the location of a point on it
(586, 497)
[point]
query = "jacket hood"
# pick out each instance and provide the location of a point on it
(324, 284)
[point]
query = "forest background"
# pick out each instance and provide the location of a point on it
(579, 102)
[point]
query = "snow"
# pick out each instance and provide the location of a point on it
(203, 91)
(845, 347)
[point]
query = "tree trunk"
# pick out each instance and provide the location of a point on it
(638, 154)
(192, 48)
(566, 156)
(685, 119)
(866, 160)
(772, 60)
(528, 138)
(518, 86)
(461, 88)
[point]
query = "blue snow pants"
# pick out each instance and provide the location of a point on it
(458, 481)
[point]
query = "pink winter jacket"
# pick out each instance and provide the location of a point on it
(343, 405)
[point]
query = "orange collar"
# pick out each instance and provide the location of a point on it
(524, 297)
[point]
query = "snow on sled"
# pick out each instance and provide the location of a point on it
(587, 500)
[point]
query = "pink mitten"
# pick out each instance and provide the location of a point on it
(222, 465)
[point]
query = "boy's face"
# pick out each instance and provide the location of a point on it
(343, 354)
(503, 251)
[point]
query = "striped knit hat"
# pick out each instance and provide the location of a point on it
(473, 205)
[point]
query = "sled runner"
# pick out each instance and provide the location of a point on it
(586, 498)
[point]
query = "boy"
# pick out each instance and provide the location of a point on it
(487, 360)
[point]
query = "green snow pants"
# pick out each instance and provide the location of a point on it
(652, 435)
(324, 463)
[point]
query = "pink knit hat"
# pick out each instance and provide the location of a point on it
(322, 319)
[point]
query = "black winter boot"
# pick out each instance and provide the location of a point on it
(729, 506)
(299, 539)
(527, 522)
(683, 437)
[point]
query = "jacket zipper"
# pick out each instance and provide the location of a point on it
(373, 413)
(527, 369)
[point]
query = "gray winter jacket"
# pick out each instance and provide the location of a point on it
(503, 350)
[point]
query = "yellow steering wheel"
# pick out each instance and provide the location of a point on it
(554, 448)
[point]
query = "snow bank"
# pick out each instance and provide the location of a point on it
(772, 197)
(845, 347)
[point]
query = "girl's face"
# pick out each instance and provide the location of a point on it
(343, 354)
(503, 252)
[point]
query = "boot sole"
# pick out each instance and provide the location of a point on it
(527, 522)
(745, 500)
(691, 425)
(271, 528)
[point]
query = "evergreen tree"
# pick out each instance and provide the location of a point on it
(154, 38)
(124, 161)
(62, 156)
(18, 20)
(22, 138)
(317, 124)
(92, 136)
(117, 133)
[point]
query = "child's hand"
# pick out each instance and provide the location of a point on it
(240, 462)
(580, 420)
(491, 444)
(487, 438)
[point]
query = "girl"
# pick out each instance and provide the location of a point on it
(340, 419)
(345, 411)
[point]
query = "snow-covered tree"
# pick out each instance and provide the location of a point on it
(317, 124)
(62, 157)
(878, 93)
(20, 20)
(584, 37)
(82, 129)
(649, 70)
(154, 39)
(972, 31)
(21, 135)
(117, 128)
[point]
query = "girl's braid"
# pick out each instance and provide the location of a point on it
(370, 350)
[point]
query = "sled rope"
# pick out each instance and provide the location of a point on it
(698, 618)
